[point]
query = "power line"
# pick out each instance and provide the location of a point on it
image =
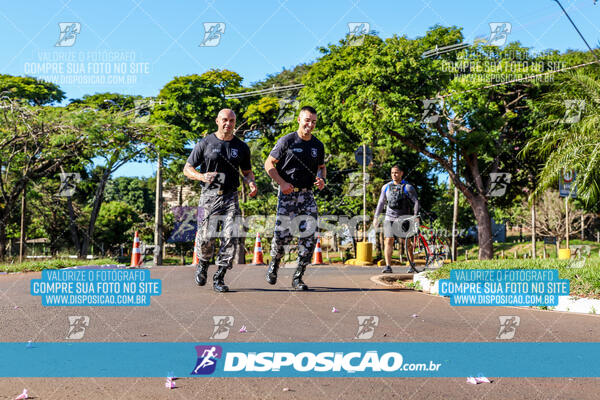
(264, 91)
(445, 49)
(526, 78)
(575, 26)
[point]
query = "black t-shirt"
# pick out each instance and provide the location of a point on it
(298, 159)
(226, 157)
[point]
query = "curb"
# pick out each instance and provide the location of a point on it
(565, 303)
(388, 279)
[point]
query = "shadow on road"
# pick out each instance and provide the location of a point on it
(320, 289)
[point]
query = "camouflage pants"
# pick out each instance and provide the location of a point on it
(296, 215)
(216, 218)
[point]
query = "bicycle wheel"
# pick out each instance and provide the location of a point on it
(442, 249)
(419, 248)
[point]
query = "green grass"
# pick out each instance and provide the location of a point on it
(512, 247)
(58, 263)
(584, 282)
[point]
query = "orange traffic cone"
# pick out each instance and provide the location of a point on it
(195, 259)
(258, 253)
(318, 253)
(136, 253)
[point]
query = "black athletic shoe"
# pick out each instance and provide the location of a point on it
(201, 272)
(220, 287)
(299, 285)
(272, 272)
(218, 283)
(387, 270)
(297, 279)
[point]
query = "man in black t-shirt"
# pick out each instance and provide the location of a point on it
(220, 157)
(297, 164)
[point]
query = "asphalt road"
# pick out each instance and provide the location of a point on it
(183, 313)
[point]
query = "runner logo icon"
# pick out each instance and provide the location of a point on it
(207, 359)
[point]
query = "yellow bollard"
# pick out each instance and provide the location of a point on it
(364, 254)
(564, 254)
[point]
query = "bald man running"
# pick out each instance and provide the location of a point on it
(220, 157)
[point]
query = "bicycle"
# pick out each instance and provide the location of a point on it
(429, 250)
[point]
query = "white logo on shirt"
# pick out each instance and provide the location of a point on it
(234, 153)
(313, 152)
(297, 150)
(216, 150)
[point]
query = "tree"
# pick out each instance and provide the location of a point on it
(366, 92)
(136, 192)
(34, 91)
(551, 215)
(34, 143)
(117, 138)
(569, 137)
(115, 224)
(284, 78)
(192, 102)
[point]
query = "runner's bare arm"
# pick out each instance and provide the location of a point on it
(286, 187)
(191, 173)
(321, 176)
(249, 178)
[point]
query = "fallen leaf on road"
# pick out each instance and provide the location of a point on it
(415, 316)
(22, 395)
(333, 309)
(243, 329)
(471, 380)
(482, 379)
(169, 384)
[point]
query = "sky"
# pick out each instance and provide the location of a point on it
(136, 46)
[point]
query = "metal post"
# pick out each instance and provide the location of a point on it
(533, 238)
(23, 208)
(567, 218)
(364, 193)
(158, 216)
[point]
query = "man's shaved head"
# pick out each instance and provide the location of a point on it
(226, 112)
(226, 121)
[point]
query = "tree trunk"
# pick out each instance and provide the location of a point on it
(22, 234)
(484, 227)
(2, 241)
(6, 213)
(158, 215)
(72, 225)
(454, 254)
(98, 198)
